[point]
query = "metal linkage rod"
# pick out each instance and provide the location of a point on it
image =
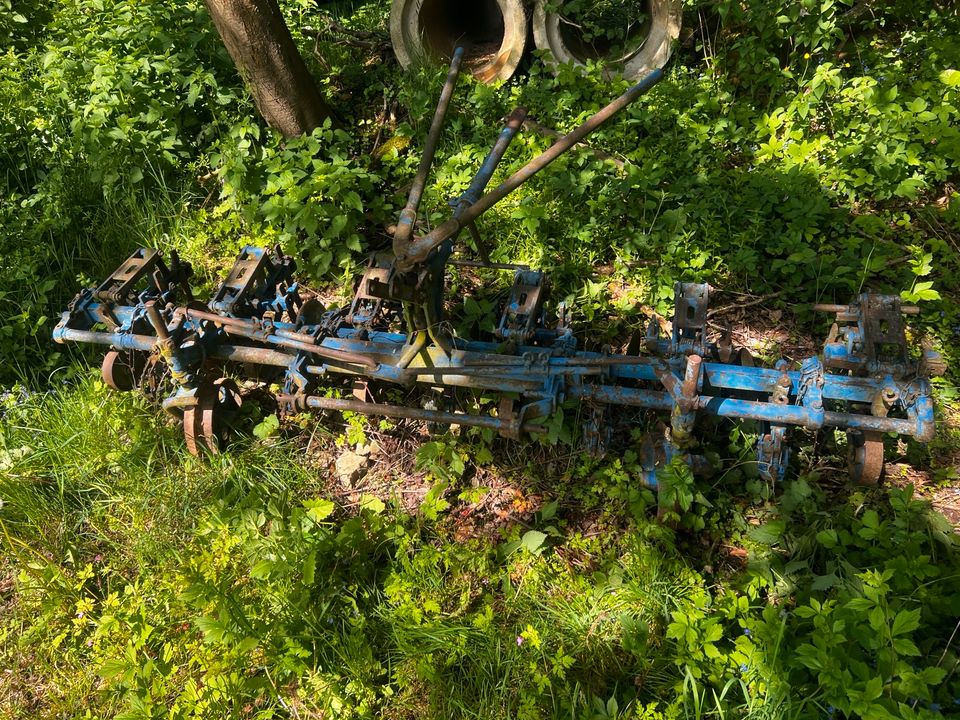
(280, 337)
(408, 216)
(417, 251)
(828, 308)
(399, 411)
(512, 125)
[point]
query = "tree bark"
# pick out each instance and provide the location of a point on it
(260, 44)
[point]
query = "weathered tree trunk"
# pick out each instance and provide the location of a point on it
(259, 42)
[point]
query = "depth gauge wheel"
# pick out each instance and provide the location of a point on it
(865, 456)
(206, 425)
(122, 369)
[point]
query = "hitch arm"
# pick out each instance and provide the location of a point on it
(416, 251)
(408, 216)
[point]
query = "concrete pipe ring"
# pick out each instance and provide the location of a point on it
(493, 34)
(647, 48)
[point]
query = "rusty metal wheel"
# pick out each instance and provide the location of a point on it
(865, 456)
(122, 369)
(206, 425)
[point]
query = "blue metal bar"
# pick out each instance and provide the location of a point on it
(615, 395)
(480, 181)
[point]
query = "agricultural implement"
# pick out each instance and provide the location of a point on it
(260, 326)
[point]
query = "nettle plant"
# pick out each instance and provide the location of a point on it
(847, 614)
(312, 194)
(100, 102)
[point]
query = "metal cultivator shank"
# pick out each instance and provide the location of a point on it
(865, 381)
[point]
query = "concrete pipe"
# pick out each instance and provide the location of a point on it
(647, 45)
(493, 34)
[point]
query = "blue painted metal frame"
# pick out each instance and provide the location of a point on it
(865, 380)
(673, 378)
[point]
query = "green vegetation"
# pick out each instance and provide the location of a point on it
(798, 150)
(604, 28)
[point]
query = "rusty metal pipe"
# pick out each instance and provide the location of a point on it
(146, 343)
(121, 341)
(666, 377)
(157, 321)
(495, 371)
(408, 216)
(418, 250)
(828, 308)
(254, 355)
(283, 338)
(870, 422)
(320, 351)
(615, 395)
(511, 127)
(407, 413)
(690, 378)
(532, 124)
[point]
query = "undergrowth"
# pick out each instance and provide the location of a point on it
(804, 151)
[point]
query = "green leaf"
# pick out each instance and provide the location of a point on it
(910, 188)
(353, 243)
(548, 511)
(533, 541)
(950, 77)
(924, 291)
(905, 621)
(247, 644)
(266, 427)
(508, 548)
(768, 533)
(810, 657)
(309, 567)
(319, 509)
(873, 688)
(933, 675)
(903, 646)
(823, 582)
(262, 570)
(213, 630)
(372, 503)
(113, 668)
(859, 605)
(827, 538)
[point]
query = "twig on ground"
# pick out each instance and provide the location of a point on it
(756, 301)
